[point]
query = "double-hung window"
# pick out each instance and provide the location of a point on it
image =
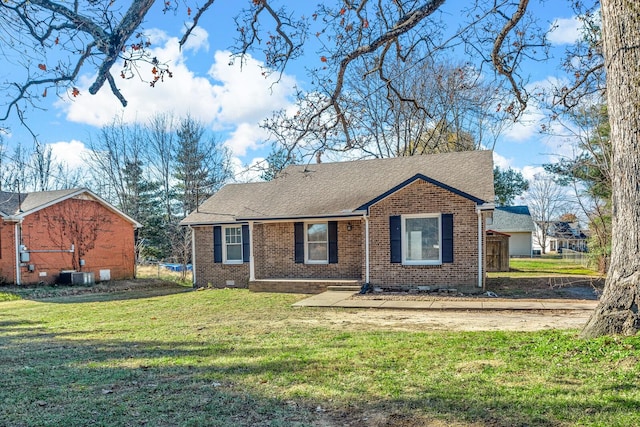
(317, 243)
(421, 239)
(232, 247)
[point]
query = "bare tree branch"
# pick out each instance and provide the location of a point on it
(404, 24)
(196, 20)
(94, 30)
(498, 60)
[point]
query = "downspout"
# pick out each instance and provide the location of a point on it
(480, 257)
(193, 256)
(17, 254)
(252, 267)
(366, 250)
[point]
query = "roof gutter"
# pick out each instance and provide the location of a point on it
(346, 215)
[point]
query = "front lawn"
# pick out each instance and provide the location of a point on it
(234, 358)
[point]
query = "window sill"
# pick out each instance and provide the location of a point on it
(418, 263)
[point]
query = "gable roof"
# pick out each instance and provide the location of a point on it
(15, 203)
(565, 230)
(9, 203)
(346, 188)
(512, 219)
(18, 205)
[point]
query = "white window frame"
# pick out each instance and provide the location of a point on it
(225, 260)
(404, 242)
(307, 242)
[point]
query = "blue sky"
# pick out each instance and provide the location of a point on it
(232, 102)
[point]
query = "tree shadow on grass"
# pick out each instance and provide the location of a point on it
(115, 291)
(69, 379)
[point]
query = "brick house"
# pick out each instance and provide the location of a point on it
(45, 233)
(399, 222)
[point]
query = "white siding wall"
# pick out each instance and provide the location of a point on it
(520, 244)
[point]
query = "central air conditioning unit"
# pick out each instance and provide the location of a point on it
(65, 277)
(82, 278)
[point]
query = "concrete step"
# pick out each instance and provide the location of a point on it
(344, 288)
(304, 286)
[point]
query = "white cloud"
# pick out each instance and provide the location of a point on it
(557, 141)
(250, 172)
(559, 145)
(245, 95)
(72, 153)
(246, 136)
(565, 30)
(198, 40)
(527, 125)
(228, 99)
(501, 161)
(182, 94)
(530, 172)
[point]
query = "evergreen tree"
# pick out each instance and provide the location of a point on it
(508, 184)
(141, 202)
(202, 166)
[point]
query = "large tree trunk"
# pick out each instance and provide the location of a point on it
(617, 312)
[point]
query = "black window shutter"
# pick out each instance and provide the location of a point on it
(333, 242)
(447, 238)
(245, 243)
(395, 237)
(298, 232)
(217, 243)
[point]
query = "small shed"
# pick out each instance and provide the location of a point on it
(517, 223)
(497, 251)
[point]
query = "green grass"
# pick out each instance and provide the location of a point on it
(8, 296)
(545, 266)
(234, 358)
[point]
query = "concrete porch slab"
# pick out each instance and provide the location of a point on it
(343, 299)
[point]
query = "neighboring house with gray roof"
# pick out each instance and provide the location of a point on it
(408, 221)
(563, 235)
(515, 221)
(45, 233)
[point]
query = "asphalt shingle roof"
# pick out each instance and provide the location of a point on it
(12, 203)
(20, 205)
(341, 188)
(512, 219)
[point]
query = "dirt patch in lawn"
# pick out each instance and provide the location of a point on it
(558, 288)
(555, 287)
(446, 320)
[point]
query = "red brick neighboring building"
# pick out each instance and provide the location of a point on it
(45, 233)
(390, 223)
